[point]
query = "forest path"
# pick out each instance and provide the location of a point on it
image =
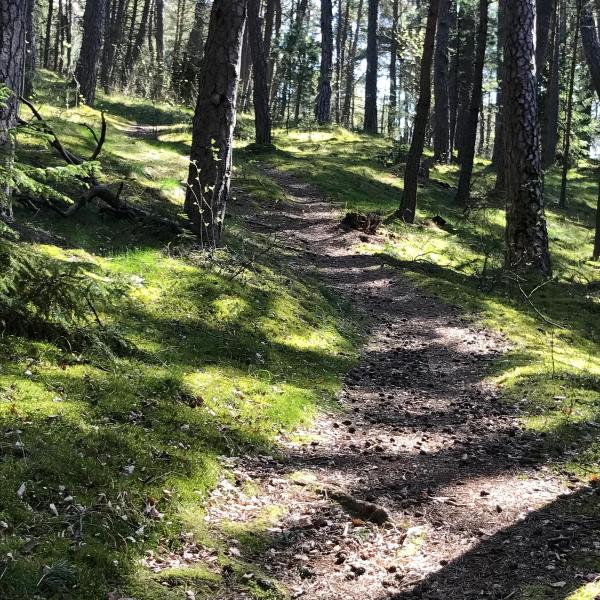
(473, 510)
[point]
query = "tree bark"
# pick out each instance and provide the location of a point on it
(441, 131)
(526, 234)
(262, 113)
(138, 44)
(465, 74)
(86, 71)
(323, 100)
(13, 35)
(562, 201)
(370, 120)
(498, 152)
(463, 194)
(408, 204)
(349, 92)
(544, 10)
(393, 100)
(552, 99)
(596, 251)
(590, 43)
(48, 34)
(159, 36)
(31, 50)
(192, 56)
(214, 121)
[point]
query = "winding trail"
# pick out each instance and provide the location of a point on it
(474, 512)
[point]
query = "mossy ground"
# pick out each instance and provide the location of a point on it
(224, 361)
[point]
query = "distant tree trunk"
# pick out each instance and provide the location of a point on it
(262, 114)
(463, 194)
(465, 73)
(498, 152)
(159, 36)
(31, 50)
(393, 100)
(370, 121)
(86, 70)
(562, 202)
(113, 36)
(69, 33)
(596, 252)
(552, 99)
(341, 39)
(48, 37)
(408, 204)
(349, 92)
(214, 121)
(526, 234)
(138, 44)
(544, 10)
(57, 37)
(177, 47)
(453, 77)
(590, 43)
(13, 34)
(323, 100)
(441, 130)
(192, 56)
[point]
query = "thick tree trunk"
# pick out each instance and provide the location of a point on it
(262, 114)
(590, 43)
(526, 234)
(214, 121)
(441, 131)
(192, 56)
(498, 152)
(323, 100)
(13, 36)
(562, 201)
(408, 204)
(465, 74)
(349, 92)
(470, 134)
(370, 121)
(552, 99)
(86, 71)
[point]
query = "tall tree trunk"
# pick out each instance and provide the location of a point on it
(214, 121)
(453, 76)
(113, 38)
(552, 99)
(526, 233)
(562, 202)
(341, 39)
(463, 194)
(408, 204)
(590, 43)
(349, 92)
(441, 131)
(465, 74)
(370, 121)
(323, 100)
(138, 44)
(13, 35)
(31, 50)
(498, 152)
(596, 251)
(86, 70)
(69, 32)
(159, 36)
(58, 34)
(262, 114)
(192, 56)
(393, 100)
(544, 11)
(48, 37)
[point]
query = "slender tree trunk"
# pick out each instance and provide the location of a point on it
(349, 92)
(262, 114)
(498, 152)
(69, 33)
(31, 50)
(89, 58)
(552, 99)
(596, 251)
(393, 100)
(370, 121)
(192, 56)
(48, 34)
(159, 36)
(562, 202)
(590, 43)
(59, 30)
(453, 77)
(323, 100)
(441, 131)
(138, 44)
(408, 204)
(214, 121)
(13, 36)
(526, 234)
(465, 74)
(544, 11)
(463, 194)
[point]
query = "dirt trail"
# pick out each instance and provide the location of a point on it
(473, 510)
